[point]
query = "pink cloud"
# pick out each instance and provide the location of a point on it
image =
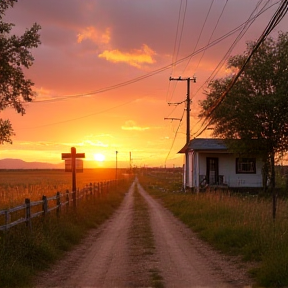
(94, 35)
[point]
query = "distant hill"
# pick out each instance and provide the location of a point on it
(20, 164)
(10, 163)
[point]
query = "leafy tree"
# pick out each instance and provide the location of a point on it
(256, 108)
(15, 55)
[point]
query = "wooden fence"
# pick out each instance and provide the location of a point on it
(31, 209)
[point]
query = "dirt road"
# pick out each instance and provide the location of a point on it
(143, 245)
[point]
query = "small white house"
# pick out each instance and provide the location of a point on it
(211, 164)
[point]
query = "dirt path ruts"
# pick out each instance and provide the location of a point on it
(185, 261)
(103, 259)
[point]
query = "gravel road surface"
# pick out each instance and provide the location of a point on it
(108, 256)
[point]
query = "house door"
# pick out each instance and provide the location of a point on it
(212, 171)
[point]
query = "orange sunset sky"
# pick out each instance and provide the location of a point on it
(102, 74)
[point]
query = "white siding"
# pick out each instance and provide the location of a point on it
(227, 168)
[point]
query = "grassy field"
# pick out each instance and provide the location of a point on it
(16, 185)
(23, 252)
(234, 224)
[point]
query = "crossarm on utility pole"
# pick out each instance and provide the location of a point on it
(188, 101)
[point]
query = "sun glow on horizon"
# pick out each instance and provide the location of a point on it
(99, 157)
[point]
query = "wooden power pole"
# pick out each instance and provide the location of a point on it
(188, 102)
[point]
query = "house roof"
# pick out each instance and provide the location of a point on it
(204, 144)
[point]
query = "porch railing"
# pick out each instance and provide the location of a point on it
(218, 180)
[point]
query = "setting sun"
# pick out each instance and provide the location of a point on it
(99, 157)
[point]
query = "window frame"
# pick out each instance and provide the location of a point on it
(246, 161)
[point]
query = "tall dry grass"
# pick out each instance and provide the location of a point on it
(16, 185)
(24, 252)
(235, 224)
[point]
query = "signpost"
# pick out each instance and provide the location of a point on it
(73, 159)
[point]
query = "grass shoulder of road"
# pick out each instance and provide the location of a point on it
(142, 247)
(25, 252)
(238, 225)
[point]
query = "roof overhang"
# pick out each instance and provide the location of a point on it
(205, 144)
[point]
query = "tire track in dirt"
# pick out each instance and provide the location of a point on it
(101, 260)
(185, 261)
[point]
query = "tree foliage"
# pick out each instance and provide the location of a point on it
(256, 108)
(15, 55)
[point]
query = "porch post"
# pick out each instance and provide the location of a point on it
(197, 174)
(187, 169)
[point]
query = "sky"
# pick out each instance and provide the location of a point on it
(102, 74)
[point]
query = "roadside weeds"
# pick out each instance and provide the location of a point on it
(142, 252)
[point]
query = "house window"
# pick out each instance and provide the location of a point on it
(245, 165)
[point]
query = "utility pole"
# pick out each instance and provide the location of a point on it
(188, 102)
(130, 162)
(116, 176)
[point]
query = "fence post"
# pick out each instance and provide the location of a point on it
(67, 198)
(58, 203)
(74, 198)
(7, 219)
(94, 193)
(44, 205)
(78, 195)
(91, 189)
(28, 213)
(87, 189)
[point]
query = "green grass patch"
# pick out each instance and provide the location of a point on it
(157, 279)
(142, 247)
(141, 225)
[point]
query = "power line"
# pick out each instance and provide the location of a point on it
(196, 45)
(82, 117)
(177, 47)
(249, 22)
(199, 37)
(136, 79)
(220, 16)
(277, 17)
(175, 54)
(175, 44)
(128, 82)
(175, 136)
(271, 25)
(244, 29)
(156, 71)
